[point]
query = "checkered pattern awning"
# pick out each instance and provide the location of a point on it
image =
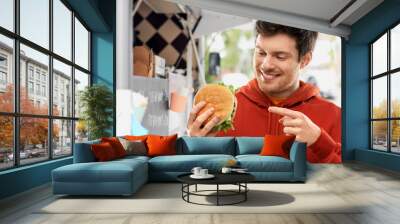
(163, 33)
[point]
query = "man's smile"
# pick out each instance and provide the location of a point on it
(268, 76)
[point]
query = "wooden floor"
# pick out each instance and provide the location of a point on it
(378, 188)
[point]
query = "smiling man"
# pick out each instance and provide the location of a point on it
(276, 101)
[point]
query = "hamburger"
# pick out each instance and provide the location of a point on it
(222, 99)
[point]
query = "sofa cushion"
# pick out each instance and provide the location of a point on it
(185, 163)
(83, 152)
(257, 163)
(161, 145)
(249, 145)
(116, 145)
(206, 145)
(136, 147)
(135, 138)
(103, 152)
(112, 171)
(132, 158)
(277, 145)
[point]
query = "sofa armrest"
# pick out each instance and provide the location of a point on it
(298, 156)
(83, 152)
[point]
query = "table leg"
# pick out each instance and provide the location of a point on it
(196, 188)
(188, 189)
(217, 194)
(245, 191)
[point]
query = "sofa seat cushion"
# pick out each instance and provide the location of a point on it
(249, 145)
(111, 171)
(185, 163)
(133, 158)
(257, 163)
(205, 145)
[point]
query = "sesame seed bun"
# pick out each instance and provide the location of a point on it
(219, 97)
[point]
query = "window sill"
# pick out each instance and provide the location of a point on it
(26, 167)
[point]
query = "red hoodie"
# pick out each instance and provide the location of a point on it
(253, 118)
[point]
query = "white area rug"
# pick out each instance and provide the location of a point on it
(166, 198)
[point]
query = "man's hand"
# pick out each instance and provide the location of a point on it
(298, 124)
(195, 124)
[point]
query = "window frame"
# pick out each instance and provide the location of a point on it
(388, 74)
(16, 114)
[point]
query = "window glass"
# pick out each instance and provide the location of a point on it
(33, 140)
(395, 47)
(395, 95)
(379, 56)
(6, 74)
(395, 136)
(62, 91)
(81, 131)
(6, 142)
(62, 141)
(81, 45)
(62, 29)
(379, 135)
(7, 14)
(34, 21)
(81, 81)
(39, 62)
(379, 98)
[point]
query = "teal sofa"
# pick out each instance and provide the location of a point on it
(125, 176)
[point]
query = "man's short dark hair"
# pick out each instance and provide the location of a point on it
(305, 39)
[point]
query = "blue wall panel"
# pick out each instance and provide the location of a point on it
(24, 178)
(356, 105)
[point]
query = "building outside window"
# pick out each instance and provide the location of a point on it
(34, 75)
(44, 77)
(3, 72)
(3, 78)
(37, 74)
(30, 87)
(30, 72)
(43, 90)
(3, 61)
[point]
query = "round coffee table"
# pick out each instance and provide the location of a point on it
(238, 179)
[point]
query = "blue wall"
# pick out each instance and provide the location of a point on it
(103, 52)
(24, 178)
(356, 83)
(99, 15)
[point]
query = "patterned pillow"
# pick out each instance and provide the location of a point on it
(137, 147)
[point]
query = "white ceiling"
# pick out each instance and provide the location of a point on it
(216, 22)
(321, 9)
(317, 15)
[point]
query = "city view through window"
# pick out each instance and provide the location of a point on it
(48, 74)
(385, 79)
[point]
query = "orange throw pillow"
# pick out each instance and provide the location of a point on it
(161, 145)
(277, 145)
(136, 138)
(103, 152)
(116, 145)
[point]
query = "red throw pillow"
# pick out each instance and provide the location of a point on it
(116, 145)
(161, 145)
(277, 145)
(103, 152)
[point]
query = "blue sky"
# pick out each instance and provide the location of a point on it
(35, 27)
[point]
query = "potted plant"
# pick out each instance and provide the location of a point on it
(96, 102)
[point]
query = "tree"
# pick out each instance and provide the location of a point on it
(97, 104)
(233, 58)
(380, 127)
(33, 130)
